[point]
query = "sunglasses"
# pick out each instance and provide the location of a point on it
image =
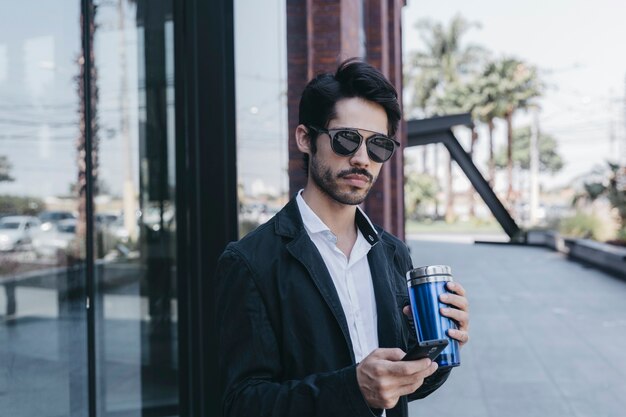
(345, 141)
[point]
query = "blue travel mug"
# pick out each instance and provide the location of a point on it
(425, 285)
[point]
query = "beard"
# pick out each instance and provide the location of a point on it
(327, 181)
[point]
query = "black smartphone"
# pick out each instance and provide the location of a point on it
(428, 349)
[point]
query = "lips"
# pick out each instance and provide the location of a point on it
(357, 179)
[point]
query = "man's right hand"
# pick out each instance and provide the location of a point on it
(383, 377)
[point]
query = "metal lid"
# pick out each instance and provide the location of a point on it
(412, 282)
(428, 271)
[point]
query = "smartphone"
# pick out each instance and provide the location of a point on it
(428, 349)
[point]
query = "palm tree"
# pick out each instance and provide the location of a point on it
(460, 98)
(550, 159)
(509, 85)
(488, 108)
(442, 64)
(443, 61)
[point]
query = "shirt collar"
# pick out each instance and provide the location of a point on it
(314, 224)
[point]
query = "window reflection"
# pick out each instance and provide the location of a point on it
(135, 212)
(43, 336)
(44, 217)
(261, 87)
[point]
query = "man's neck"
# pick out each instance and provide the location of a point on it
(340, 218)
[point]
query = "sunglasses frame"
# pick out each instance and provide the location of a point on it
(332, 132)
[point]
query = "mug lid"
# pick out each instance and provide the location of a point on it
(430, 270)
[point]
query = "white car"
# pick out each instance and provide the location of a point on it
(17, 231)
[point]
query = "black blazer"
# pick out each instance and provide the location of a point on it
(283, 342)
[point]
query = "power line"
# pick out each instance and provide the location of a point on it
(18, 122)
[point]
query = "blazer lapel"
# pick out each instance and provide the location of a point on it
(289, 223)
(303, 249)
(380, 258)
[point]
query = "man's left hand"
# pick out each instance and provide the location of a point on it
(458, 311)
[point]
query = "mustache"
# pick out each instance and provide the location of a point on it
(357, 171)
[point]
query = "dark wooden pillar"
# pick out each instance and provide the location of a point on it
(394, 18)
(320, 35)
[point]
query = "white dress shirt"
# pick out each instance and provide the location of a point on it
(352, 278)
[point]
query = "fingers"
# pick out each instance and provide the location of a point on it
(459, 312)
(457, 301)
(408, 368)
(390, 354)
(456, 288)
(391, 363)
(418, 380)
(383, 382)
(407, 312)
(460, 316)
(461, 335)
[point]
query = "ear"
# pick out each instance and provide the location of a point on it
(303, 139)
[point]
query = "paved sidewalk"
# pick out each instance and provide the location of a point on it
(548, 336)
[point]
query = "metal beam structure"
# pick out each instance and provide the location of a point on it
(439, 130)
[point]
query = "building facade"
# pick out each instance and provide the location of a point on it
(321, 34)
(137, 138)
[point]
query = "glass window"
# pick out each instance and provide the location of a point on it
(261, 88)
(136, 320)
(43, 333)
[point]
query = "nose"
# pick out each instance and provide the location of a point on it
(360, 157)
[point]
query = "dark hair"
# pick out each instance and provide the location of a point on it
(354, 78)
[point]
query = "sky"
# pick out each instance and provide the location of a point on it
(261, 88)
(39, 44)
(576, 44)
(39, 104)
(578, 48)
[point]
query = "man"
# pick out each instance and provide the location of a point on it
(310, 305)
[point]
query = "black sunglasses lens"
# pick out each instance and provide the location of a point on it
(380, 148)
(345, 142)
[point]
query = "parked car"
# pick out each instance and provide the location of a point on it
(17, 231)
(105, 219)
(49, 242)
(50, 218)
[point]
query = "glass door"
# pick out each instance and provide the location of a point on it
(135, 222)
(88, 300)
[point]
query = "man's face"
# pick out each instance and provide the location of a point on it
(348, 179)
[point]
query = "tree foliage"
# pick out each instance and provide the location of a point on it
(549, 158)
(613, 187)
(507, 85)
(449, 76)
(5, 169)
(14, 205)
(419, 189)
(443, 63)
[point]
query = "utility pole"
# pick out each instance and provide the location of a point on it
(614, 147)
(624, 132)
(534, 167)
(436, 175)
(129, 202)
